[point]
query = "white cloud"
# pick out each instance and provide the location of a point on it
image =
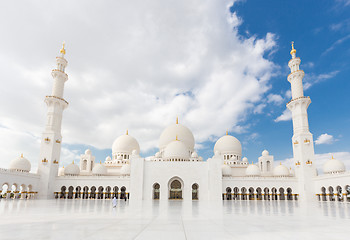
(312, 79)
(259, 108)
(132, 65)
(285, 116)
(275, 98)
(324, 139)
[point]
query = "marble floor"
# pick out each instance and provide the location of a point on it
(96, 219)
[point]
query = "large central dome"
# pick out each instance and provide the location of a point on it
(125, 144)
(182, 133)
(228, 145)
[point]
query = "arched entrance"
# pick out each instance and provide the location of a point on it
(175, 189)
(156, 191)
(195, 191)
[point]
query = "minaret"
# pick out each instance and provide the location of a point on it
(51, 138)
(303, 144)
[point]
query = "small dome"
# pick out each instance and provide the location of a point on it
(87, 152)
(176, 149)
(108, 159)
(125, 144)
(245, 160)
(72, 169)
(176, 130)
(226, 170)
(20, 164)
(265, 153)
(281, 171)
(194, 155)
(228, 145)
(61, 171)
(158, 155)
(125, 170)
(333, 166)
(99, 169)
(252, 170)
(200, 158)
(134, 152)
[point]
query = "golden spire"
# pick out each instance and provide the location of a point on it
(63, 50)
(73, 162)
(176, 138)
(100, 162)
(21, 155)
(62, 166)
(332, 157)
(280, 163)
(293, 51)
(127, 132)
(226, 132)
(177, 120)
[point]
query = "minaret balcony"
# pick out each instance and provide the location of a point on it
(58, 73)
(52, 99)
(299, 74)
(300, 100)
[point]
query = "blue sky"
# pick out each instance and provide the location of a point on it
(139, 65)
(321, 33)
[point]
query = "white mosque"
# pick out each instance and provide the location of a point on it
(176, 171)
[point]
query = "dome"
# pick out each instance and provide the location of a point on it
(252, 170)
(333, 166)
(265, 153)
(125, 170)
(72, 169)
(158, 155)
(245, 160)
(281, 171)
(226, 170)
(20, 164)
(125, 144)
(176, 149)
(87, 152)
(108, 159)
(228, 145)
(61, 171)
(99, 169)
(194, 155)
(181, 132)
(200, 158)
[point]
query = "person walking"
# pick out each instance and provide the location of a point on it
(114, 202)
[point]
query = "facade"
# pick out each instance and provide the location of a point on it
(176, 171)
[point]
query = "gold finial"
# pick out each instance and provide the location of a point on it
(332, 157)
(63, 50)
(280, 163)
(73, 161)
(177, 120)
(176, 138)
(226, 132)
(21, 155)
(62, 166)
(252, 162)
(127, 132)
(100, 162)
(293, 51)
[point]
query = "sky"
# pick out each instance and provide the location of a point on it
(137, 65)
